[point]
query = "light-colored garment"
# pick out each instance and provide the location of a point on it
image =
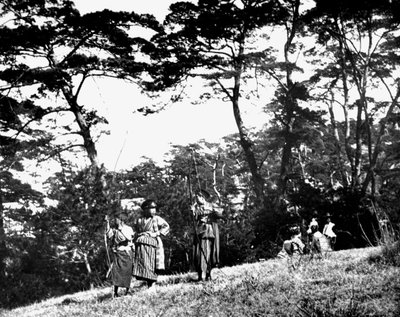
(328, 230)
(312, 223)
(296, 246)
(320, 243)
(291, 247)
(121, 238)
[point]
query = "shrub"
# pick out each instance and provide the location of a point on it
(25, 289)
(390, 255)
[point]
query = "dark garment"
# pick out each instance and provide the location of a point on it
(121, 271)
(206, 239)
(145, 258)
(206, 249)
(202, 251)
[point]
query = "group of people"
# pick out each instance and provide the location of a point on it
(317, 242)
(322, 241)
(138, 250)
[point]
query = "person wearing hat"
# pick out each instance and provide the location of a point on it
(121, 242)
(149, 249)
(206, 237)
(328, 231)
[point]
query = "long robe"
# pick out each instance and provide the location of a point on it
(149, 249)
(206, 240)
(122, 255)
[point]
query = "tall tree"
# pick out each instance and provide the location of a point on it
(213, 40)
(74, 226)
(359, 36)
(292, 115)
(16, 146)
(50, 50)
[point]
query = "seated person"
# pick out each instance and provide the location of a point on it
(292, 246)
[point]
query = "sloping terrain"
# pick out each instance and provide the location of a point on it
(343, 283)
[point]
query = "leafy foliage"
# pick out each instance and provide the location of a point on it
(50, 51)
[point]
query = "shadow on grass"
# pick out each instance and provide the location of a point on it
(177, 279)
(104, 297)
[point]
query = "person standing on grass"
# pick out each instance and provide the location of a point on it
(121, 242)
(206, 237)
(328, 232)
(149, 250)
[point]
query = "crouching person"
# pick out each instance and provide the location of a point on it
(292, 248)
(121, 242)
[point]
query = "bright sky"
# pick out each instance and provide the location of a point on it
(133, 135)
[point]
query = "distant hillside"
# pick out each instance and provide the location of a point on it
(343, 283)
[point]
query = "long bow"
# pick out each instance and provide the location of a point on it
(108, 254)
(191, 203)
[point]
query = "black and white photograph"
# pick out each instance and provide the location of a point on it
(210, 158)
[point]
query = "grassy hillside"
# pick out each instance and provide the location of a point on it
(343, 283)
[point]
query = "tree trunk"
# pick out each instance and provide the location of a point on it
(3, 247)
(347, 134)
(88, 142)
(378, 143)
(286, 156)
(247, 146)
(338, 147)
(360, 77)
(245, 141)
(356, 172)
(289, 102)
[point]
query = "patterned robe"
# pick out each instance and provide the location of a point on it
(149, 249)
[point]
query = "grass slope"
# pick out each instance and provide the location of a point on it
(343, 283)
